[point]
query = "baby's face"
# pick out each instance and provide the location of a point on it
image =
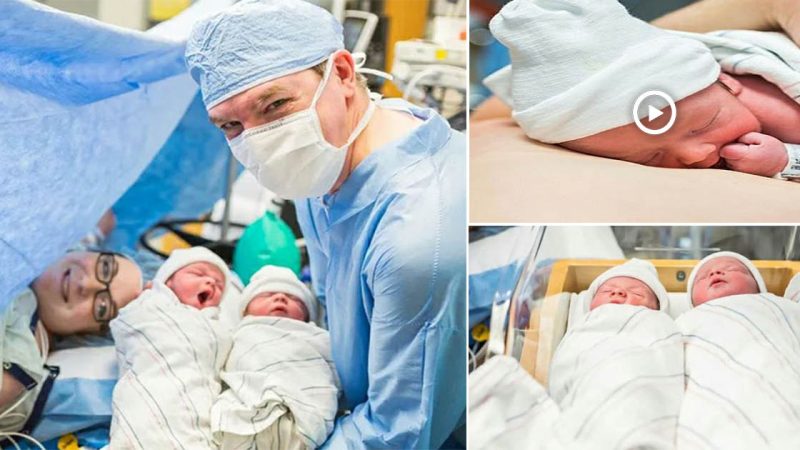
(706, 121)
(624, 290)
(277, 304)
(200, 285)
(721, 277)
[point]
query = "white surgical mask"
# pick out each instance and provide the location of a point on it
(290, 156)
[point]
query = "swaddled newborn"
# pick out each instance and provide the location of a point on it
(578, 67)
(170, 348)
(742, 360)
(722, 274)
(633, 283)
(617, 376)
(615, 382)
(196, 276)
(282, 387)
(624, 290)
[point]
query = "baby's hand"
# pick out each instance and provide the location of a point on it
(756, 153)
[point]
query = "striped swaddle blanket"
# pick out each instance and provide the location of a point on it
(616, 382)
(282, 387)
(742, 374)
(169, 356)
(508, 409)
(617, 379)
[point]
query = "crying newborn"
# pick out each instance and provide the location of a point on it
(196, 276)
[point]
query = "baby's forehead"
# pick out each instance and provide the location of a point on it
(625, 281)
(206, 267)
(724, 261)
(265, 294)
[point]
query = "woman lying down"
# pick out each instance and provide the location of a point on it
(204, 367)
(79, 294)
(725, 374)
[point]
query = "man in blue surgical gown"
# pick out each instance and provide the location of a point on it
(380, 192)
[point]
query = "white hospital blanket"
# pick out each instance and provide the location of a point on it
(169, 356)
(507, 408)
(771, 55)
(282, 387)
(618, 379)
(616, 382)
(742, 374)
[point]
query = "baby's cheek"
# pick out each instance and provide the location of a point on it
(257, 307)
(299, 313)
(597, 300)
(736, 128)
(184, 291)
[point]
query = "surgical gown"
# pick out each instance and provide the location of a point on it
(388, 261)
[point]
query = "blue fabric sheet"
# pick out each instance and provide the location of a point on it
(84, 108)
(184, 180)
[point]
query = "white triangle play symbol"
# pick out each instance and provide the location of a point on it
(653, 113)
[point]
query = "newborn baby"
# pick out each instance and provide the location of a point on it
(617, 375)
(624, 290)
(741, 359)
(197, 276)
(292, 302)
(633, 283)
(578, 67)
(282, 387)
(738, 122)
(170, 348)
(723, 274)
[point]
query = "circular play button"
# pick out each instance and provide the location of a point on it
(648, 100)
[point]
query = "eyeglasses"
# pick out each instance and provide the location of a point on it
(104, 308)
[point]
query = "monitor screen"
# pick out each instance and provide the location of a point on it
(353, 27)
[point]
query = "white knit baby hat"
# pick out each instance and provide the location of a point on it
(762, 287)
(182, 257)
(578, 66)
(278, 279)
(639, 269)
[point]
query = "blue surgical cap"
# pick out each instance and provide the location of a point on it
(255, 41)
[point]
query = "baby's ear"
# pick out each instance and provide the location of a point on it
(731, 84)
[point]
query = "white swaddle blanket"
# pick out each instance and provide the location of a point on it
(169, 356)
(508, 408)
(282, 387)
(742, 374)
(771, 55)
(616, 381)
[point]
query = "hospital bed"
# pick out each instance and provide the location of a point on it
(537, 325)
(515, 179)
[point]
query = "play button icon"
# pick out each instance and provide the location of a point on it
(652, 113)
(648, 99)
